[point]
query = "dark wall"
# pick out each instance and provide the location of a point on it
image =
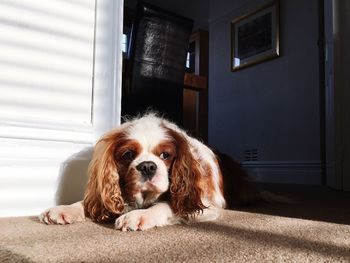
(273, 106)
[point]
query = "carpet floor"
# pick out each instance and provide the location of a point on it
(301, 232)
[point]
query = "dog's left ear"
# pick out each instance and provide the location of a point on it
(103, 201)
(185, 182)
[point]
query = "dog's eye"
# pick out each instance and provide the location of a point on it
(128, 155)
(164, 155)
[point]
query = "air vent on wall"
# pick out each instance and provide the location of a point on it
(251, 155)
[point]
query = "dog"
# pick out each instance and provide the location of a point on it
(148, 173)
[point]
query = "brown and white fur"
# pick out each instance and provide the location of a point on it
(149, 173)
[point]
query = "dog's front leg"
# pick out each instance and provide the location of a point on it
(159, 214)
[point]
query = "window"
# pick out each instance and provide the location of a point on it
(188, 60)
(125, 43)
(60, 79)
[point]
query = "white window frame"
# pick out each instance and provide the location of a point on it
(108, 73)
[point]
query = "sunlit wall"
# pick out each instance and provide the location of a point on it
(46, 99)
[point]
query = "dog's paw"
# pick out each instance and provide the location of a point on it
(136, 220)
(62, 215)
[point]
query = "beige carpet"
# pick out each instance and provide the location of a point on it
(240, 236)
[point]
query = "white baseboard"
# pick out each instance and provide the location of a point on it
(288, 172)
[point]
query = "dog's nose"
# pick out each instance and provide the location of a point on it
(147, 169)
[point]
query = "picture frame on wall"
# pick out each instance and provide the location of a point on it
(255, 36)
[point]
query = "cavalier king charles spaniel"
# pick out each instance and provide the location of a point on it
(149, 173)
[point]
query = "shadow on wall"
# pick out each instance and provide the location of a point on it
(73, 177)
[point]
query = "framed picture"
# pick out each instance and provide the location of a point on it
(255, 36)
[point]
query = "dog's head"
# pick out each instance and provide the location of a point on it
(137, 163)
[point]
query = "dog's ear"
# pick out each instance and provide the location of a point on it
(185, 179)
(103, 201)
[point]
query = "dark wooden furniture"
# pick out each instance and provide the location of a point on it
(195, 96)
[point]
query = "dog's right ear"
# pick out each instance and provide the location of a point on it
(186, 189)
(103, 201)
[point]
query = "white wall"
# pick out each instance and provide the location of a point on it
(45, 163)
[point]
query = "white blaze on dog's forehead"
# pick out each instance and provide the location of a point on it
(148, 131)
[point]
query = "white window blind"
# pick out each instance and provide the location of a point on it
(51, 106)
